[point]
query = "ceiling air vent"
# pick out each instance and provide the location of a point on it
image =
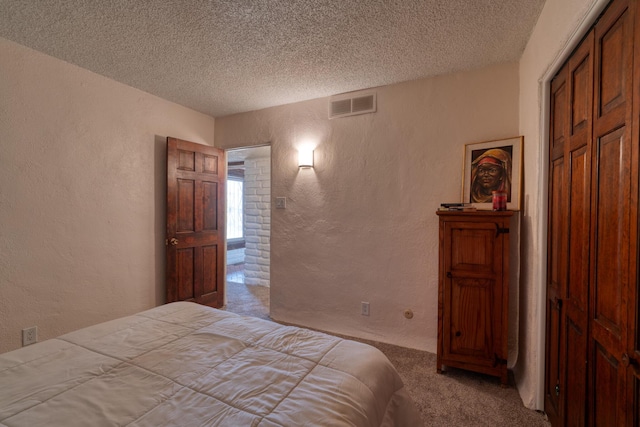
(351, 104)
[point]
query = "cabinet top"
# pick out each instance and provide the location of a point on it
(476, 213)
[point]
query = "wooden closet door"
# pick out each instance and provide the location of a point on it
(633, 315)
(556, 249)
(576, 294)
(613, 255)
(593, 342)
(569, 219)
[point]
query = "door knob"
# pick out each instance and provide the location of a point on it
(173, 241)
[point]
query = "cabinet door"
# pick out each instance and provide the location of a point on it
(472, 308)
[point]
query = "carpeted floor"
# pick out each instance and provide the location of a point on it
(248, 300)
(456, 398)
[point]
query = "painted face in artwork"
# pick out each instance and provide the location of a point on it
(489, 176)
(491, 171)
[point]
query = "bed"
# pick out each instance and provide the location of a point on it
(185, 364)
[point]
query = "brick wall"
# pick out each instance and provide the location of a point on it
(257, 211)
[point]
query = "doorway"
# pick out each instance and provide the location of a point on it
(248, 230)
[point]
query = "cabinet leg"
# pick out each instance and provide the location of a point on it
(504, 379)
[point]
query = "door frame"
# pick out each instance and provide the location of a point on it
(247, 147)
(544, 89)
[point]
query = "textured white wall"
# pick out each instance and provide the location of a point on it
(257, 210)
(361, 225)
(560, 26)
(82, 190)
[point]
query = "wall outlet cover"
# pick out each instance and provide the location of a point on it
(365, 308)
(29, 336)
(281, 202)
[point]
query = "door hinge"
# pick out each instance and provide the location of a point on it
(498, 361)
(501, 230)
(558, 303)
(558, 389)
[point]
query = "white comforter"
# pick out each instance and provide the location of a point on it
(184, 364)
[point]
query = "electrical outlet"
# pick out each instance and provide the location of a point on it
(29, 336)
(281, 202)
(364, 308)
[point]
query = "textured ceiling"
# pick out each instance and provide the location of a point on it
(227, 56)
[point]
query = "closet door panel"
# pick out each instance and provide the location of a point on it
(615, 63)
(576, 303)
(610, 264)
(582, 87)
(614, 217)
(606, 383)
(576, 384)
(557, 233)
(556, 249)
(593, 338)
(612, 225)
(579, 218)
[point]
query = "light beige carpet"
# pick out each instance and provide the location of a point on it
(455, 398)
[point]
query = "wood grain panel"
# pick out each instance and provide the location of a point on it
(581, 90)
(557, 232)
(613, 65)
(186, 160)
(575, 384)
(210, 273)
(471, 321)
(552, 359)
(210, 206)
(636, 401)
(471, 249)
(612, 222)
(210, 164)
(186, 197)
(579, 218)
(186, 267)
(556, 278)
(606, 383)
(559, 118)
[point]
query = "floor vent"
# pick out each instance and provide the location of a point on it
(349, 105)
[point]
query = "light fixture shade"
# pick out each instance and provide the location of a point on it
(305, 158)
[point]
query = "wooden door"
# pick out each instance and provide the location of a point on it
(614, 217)
(575, 296)
(593, 356)
(556, 249)
(568, 242)
(195, 223)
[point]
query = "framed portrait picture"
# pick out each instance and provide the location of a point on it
(493, 166)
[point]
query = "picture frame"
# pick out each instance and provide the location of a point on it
(493, 165)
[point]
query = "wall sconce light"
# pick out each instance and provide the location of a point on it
(305, 158)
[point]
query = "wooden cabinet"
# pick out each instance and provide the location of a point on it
(473, 291)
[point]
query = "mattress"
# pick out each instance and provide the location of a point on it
(184, 364)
